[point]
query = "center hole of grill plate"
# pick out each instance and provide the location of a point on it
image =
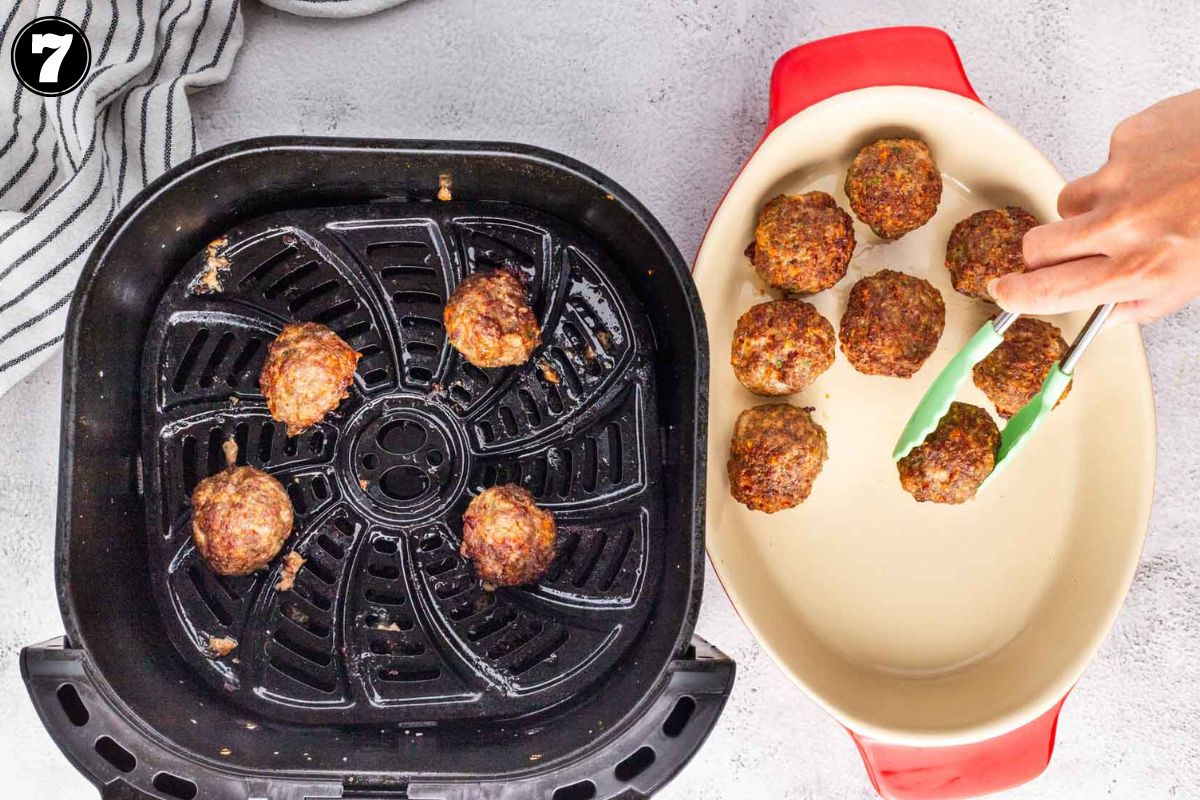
(404, 483)
(402, 436)
(408, 458)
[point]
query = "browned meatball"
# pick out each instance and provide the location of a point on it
(776, 453)
(1013, 373)
(489, 321)
(954, 460)
(986, 245)
(508, 537)
(781, 346)
(894, 186)
(892, 323)
(803, 242)
(306, 375)
(241, 518)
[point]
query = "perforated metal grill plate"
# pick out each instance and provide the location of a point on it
(386, 621)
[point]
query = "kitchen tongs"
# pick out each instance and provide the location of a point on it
(1022, 425)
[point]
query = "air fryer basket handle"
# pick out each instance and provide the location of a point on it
(79, 717)
(634, 764)
(642, 758)
(901, 56)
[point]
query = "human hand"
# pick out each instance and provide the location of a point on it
(1130, 232)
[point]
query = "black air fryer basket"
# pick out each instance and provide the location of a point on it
(387, 671)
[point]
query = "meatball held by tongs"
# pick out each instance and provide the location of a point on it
(954, 460)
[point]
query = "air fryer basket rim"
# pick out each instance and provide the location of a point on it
(247, 148)
(693, 430)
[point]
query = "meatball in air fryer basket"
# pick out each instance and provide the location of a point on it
(489, 320)
(307, 374)
(241, 518)
(510, 540)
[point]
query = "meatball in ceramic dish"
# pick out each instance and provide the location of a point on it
(307, 373)
(1013, 373)
(488, 319)
(510, 540)
(952, 462)
(894, 186)
(892, 324)
(776, 453)
(803, 243)
(240, 518)
(781, 346)
(986, 245)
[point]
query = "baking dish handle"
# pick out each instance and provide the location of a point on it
(969, 770)
(901, 56)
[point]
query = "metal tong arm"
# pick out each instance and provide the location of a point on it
(1026, 421)
(1085, 337)
(1004, 320)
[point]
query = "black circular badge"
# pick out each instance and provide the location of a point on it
(51, 56)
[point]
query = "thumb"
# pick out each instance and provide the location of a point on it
(1073, 285)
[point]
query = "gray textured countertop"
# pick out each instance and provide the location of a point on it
(667, 98)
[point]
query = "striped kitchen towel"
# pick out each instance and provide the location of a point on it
(68, 163)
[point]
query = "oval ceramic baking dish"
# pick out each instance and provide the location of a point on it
(945, 638)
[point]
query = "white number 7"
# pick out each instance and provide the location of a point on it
(59, 43)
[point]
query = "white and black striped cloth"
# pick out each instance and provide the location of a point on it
(68, 163)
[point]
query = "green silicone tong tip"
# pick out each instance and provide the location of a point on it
(944, 389)
(1023, 424)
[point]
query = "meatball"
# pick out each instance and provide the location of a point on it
(241, 518)
(803, 242)
(894, 186)
(306, 375)
(489, 321)
(892, 324)
(508, 537)
(986, 245)
(781, 347)
(776, 453)
(954, 460)
(1013, 373)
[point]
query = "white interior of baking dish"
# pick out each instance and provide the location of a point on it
(914, 622)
